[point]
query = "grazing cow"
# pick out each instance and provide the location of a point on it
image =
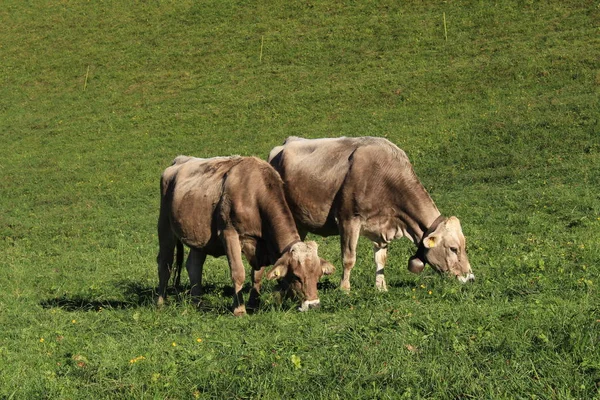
(229, 206)
(367, 186)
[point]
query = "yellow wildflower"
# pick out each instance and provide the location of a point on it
(138, 358)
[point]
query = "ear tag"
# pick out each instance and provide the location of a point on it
(276, 273)
(431, 242)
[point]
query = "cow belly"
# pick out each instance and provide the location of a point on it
(329, 229)
(318, 223)
(214, 247)
(311, 212)
(198, 237)
(382, 230)
(195, 229)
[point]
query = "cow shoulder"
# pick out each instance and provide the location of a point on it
(253, 190)
(275, 153)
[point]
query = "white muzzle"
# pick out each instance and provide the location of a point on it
(466, 278)
(308, 304)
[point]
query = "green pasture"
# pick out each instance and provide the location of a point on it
(497, 104)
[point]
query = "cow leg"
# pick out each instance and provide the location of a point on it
(349, 233)
(254, 298)
(166, 251)
(231, 241)
(249, 250)
(380, 252)
(166, 244)
(178, 264)
(194, 266)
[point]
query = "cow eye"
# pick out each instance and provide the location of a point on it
(454, 250)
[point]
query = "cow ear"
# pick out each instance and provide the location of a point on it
(278, 272)
(430, 241)
(327, 267)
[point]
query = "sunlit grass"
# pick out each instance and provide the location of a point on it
(500, 120)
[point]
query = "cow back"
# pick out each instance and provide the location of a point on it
(313, 172)
(192, 189)
(356, 176)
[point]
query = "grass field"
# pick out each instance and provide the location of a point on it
(495, 102)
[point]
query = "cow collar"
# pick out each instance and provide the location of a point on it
(421, 249)
(289, 246)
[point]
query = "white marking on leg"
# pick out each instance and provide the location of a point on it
(380, 259)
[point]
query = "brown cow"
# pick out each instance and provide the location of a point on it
(367, 186)
(229, 206)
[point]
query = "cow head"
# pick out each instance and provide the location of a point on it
(445, 250)
(302, 266)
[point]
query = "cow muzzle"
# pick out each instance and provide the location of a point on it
(308, 304)
(466, 278)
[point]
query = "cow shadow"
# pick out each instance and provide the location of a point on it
(137, 295)
(214, 298)
(401, 283)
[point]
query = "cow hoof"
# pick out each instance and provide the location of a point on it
(239, 311)
(345, 287)
(160, 302)
(252, 308)
(253, 301)
(196, 303)
(380, 284)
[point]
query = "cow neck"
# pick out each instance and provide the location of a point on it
(417, 209)
(419, 222)
(282, 228)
